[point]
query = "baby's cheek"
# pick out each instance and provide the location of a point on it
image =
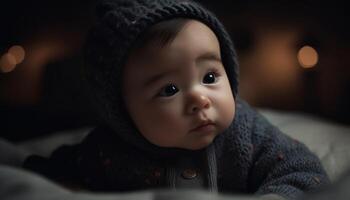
(226, 109)
(164, 126)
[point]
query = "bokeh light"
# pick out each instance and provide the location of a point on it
(7, 63)
(307, 57)
(18, 52)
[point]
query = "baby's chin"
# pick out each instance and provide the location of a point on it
(191, 143)
(200, 144)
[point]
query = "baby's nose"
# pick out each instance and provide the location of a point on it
(198, 102)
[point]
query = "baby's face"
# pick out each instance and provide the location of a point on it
(179, 95)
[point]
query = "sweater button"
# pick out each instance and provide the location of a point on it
(189, 174)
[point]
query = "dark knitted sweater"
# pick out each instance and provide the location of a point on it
(252, 156)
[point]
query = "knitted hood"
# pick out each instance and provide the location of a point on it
(119, 24)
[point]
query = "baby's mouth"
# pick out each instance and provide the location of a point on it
(204, 126)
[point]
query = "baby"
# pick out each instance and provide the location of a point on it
(163, 74)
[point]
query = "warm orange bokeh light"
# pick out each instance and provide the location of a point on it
(18, 52)
(7, 63)
(307, 57)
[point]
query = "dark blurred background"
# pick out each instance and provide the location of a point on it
(294, 57)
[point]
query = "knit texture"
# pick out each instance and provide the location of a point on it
(118, 26)
(252, 157)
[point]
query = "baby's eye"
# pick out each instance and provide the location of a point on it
(168, 90)
(209, 78)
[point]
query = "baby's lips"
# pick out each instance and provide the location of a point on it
(207, 124)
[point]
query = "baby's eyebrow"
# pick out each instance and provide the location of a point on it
(157, 77)
(209, 56)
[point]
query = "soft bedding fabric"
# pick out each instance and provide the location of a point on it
(11, 154)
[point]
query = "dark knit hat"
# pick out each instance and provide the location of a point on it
(119, 24)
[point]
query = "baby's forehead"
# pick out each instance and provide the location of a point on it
(163, 34)
(162, 38)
